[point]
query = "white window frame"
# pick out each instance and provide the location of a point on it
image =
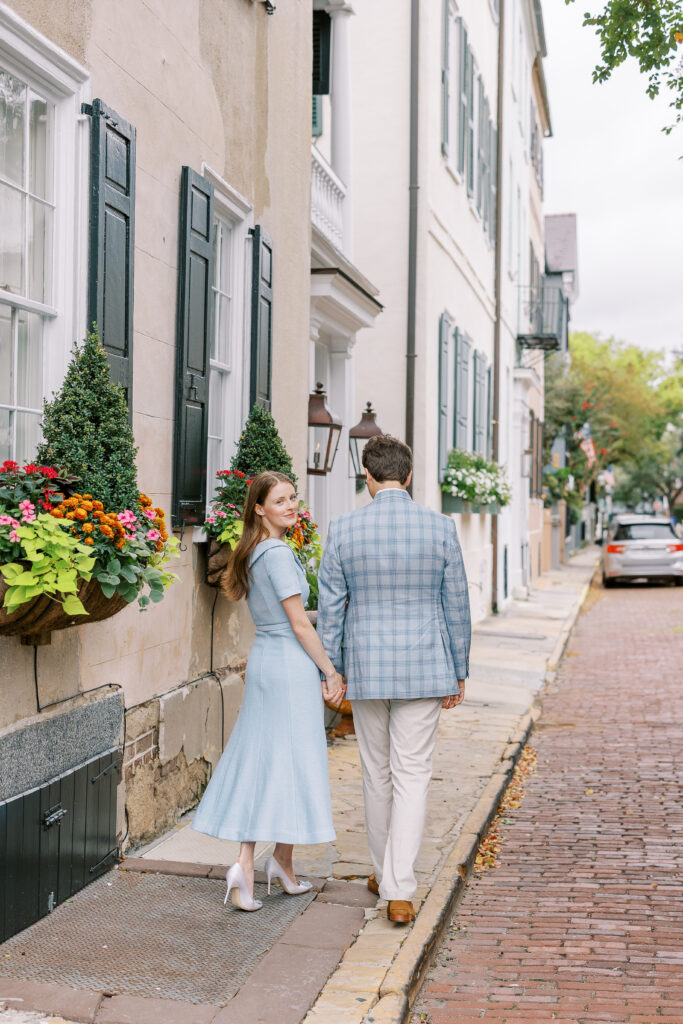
(238, 213)
(65, 83)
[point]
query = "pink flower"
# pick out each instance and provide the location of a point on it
(153, 535)
(28, 511)
(221, 513)
(14, 537)
(127, 518)
(130, 536)
(150, 513)
(6, 520)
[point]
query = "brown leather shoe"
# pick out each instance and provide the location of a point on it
(400, 911)
(373, 886)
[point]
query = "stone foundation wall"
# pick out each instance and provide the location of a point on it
(173, 743)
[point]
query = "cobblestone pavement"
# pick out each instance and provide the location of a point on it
(582, 921)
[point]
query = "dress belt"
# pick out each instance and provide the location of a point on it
(276, 627)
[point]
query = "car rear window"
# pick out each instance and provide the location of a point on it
(644, 531)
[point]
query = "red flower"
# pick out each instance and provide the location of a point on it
(585, 405)
(612, 424)
(603, 451)
(224, 472)
(9, 466)
(31, 468)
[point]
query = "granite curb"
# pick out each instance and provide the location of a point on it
(404, 978)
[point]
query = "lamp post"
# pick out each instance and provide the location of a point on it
(324, 431)
(358, 438)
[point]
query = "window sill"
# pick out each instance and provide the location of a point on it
(455, 175)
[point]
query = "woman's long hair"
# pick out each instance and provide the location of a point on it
(237, 578)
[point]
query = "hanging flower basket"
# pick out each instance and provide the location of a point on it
(37, 618)
(450, 504)
(66, 561)
(217, 558)
(473, 485)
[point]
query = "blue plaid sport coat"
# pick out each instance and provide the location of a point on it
(405, 631)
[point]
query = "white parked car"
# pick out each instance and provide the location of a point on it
(641, 547)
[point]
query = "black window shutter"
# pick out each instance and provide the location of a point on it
(261, 319)
(444, 393)
(194, 331)
(112, 241)
(445, 76)
(322, 34)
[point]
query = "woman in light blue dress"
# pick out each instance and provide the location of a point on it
(271, 784)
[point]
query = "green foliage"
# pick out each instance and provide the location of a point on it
(57, 562)
(260, 448)
(627, 395)
(556, 488)
(650, 31)
(131, 570)
(87, 432)
(658, 474)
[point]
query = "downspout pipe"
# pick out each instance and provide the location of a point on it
(498, 277)
(413, 187)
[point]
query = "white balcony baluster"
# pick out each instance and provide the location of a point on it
(328, 193)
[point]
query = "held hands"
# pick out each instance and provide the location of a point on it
(334, 688)
(456, 698)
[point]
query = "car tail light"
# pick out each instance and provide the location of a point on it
(616, 549)
(675, 547)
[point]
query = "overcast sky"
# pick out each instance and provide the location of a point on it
(609, 162)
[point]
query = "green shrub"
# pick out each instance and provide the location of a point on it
(87, 432)
(260, 448)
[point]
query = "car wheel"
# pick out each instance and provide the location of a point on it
(679, 581)
(607, 583)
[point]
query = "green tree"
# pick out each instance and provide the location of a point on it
(650, 31)
(628, 397)
(87, 432)
(646, 479)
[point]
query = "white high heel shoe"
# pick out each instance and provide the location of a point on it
(238, 890)
(273, 870)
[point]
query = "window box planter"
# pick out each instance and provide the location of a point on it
(36, 619)
(450, 503)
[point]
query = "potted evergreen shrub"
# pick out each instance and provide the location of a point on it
(260, 449)
(77, 540)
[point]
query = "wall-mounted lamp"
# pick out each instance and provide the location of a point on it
(324, 431)
(358, 438)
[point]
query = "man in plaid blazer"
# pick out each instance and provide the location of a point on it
(394, 617)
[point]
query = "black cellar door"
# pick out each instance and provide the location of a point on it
(55, 840)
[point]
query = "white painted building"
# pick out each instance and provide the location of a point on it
(426, 168)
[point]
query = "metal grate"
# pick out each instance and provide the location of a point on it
(158, 936)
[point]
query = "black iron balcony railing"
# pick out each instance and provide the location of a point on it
(546, 311)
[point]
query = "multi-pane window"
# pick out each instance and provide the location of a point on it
(469, 139)
(26, 255)
(228, 378)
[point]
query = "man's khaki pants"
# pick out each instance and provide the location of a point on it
(396, 739)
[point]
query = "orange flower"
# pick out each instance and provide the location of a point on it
(88, 527)
(107, 531)
(87, 497)
(79, 513)
(144, 500)
(58, 513)
(120, 543)
(87, 505)
(71, 515)
(89, 541)
(98, 506)
(71, 502)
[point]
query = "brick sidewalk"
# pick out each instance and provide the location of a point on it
(582, 921)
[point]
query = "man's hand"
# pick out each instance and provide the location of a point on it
(334, 688)
(455, 698)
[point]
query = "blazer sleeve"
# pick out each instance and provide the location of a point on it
(455, 600)
(332, 598)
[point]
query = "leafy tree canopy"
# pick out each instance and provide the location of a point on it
(650, 31)
(630, 399)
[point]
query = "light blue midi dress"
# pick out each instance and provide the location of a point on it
(271, 784)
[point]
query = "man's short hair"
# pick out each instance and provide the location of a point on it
(387, 458)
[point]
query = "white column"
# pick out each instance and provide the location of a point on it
(340, 98)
